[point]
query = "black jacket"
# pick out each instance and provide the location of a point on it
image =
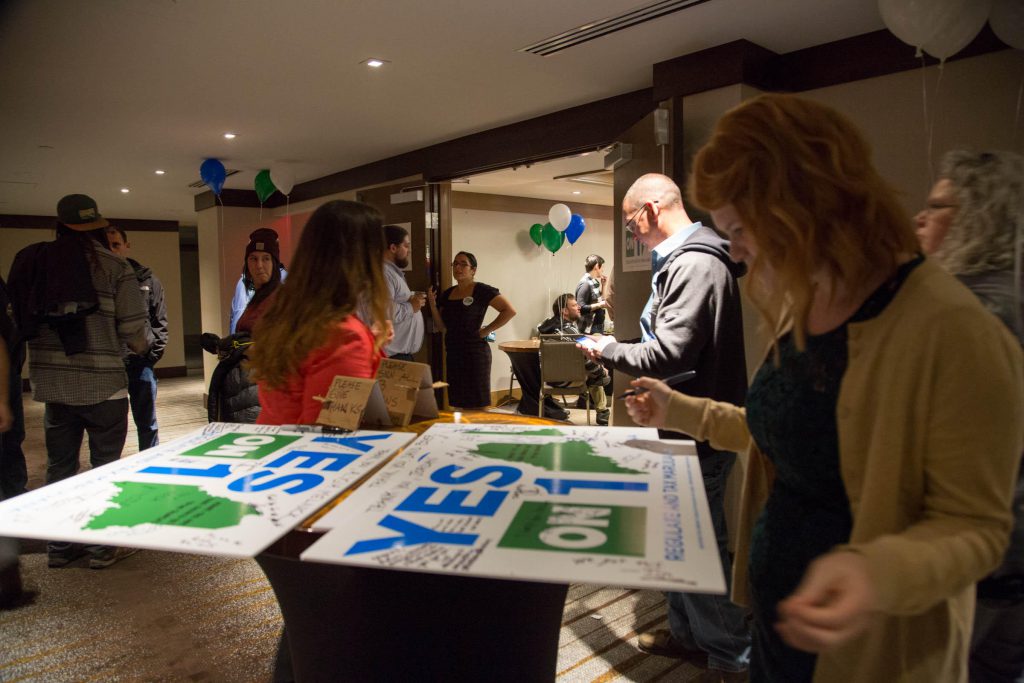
(62, 301)
(153, 294)
(697, 320)
(232, 395)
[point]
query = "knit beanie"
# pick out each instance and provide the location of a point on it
(264, 239)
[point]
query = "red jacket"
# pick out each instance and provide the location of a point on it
(348, 351)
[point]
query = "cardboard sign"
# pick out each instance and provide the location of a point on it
(407, 390)
(346, 402)
(534, 503)
(227, 489)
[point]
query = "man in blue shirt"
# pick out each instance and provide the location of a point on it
(405, 304)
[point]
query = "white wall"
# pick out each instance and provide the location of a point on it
(972, 103)
(529, 276)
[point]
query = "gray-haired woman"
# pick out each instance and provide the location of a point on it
(973, 225)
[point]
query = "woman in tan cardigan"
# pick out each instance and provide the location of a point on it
(881, 435)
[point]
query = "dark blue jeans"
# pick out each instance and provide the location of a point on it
(142, 393)
(713, 623)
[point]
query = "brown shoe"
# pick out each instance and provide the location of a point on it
(662, 643)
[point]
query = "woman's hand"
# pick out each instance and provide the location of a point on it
(833, 603)
(432, 297)
(649, 408)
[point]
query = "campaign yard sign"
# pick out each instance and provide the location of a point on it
(612, 506)
(227, 489)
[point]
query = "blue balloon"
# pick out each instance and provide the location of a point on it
(575, 228)
(213, 174)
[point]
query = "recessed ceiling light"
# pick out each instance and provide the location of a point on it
(125, 190)
(376, 63)
(576, 192)
(159, 171)
(230, 136)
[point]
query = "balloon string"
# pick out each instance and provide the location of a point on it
(1018, 254)
(927, 125)
(288, 217)
(550, 268)
(936, 112)
(1016, 116)
(220, 245)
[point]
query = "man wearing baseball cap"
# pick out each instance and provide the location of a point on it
(77, 303)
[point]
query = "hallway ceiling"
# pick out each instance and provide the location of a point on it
(95, 96)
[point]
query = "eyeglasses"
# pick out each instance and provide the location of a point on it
(630, 225)
(461, 264)
(938, 206)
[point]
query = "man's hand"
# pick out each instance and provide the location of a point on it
(416, 300)
(600, 343)
(833, 603)
(650, 407)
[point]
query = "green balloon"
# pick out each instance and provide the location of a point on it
(264, 185)
(535, 233)
(552, 238)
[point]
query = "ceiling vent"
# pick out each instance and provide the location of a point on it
(596, 29)
(227, 174)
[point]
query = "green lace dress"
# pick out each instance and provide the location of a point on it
(791, 412)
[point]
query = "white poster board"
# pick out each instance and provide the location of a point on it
(228, 489)
(556, 504)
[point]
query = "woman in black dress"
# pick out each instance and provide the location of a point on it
(459, 313)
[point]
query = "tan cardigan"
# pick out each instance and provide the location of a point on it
(930, 435)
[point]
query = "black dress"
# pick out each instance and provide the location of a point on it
(467, 356)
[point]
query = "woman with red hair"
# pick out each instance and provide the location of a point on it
(882, 433)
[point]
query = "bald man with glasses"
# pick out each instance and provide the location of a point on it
(693, 320)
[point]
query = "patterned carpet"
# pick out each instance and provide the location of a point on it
(171, 617)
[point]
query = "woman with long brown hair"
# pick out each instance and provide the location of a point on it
(880, 436)
(311, 331)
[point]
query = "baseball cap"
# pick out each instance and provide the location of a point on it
(79, 212)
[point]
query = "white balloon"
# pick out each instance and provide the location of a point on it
(1007, 21)
(283, 178)
(957, 34)
(559, 217)
(919, 22)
